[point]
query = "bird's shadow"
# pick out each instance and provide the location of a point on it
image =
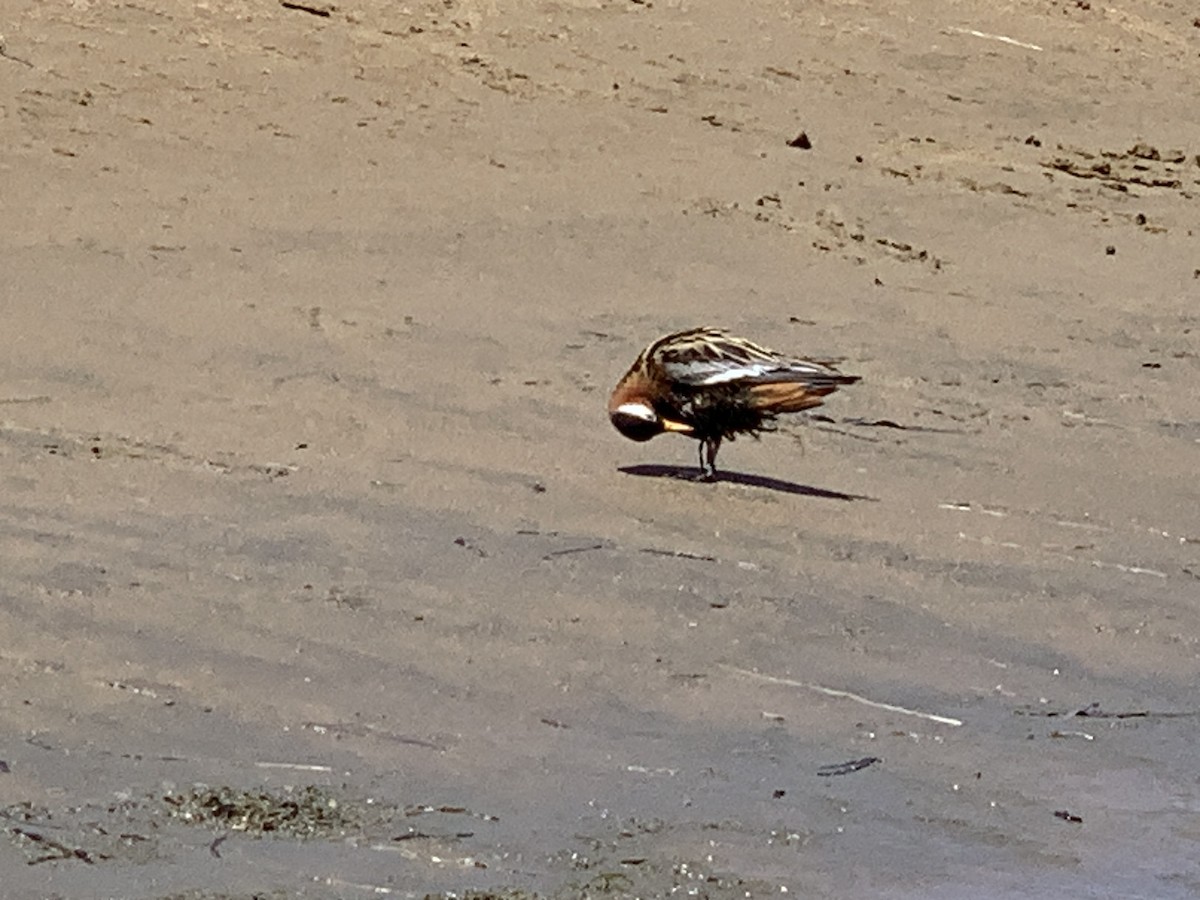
(689, 473)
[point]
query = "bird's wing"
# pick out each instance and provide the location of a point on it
(708, 356)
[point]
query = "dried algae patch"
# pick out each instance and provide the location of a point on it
(310, 812)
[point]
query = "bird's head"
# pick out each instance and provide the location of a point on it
(637, 421)
(640, 421)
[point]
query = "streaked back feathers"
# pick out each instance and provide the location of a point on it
(710, 356)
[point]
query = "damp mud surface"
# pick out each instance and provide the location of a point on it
(322, 573)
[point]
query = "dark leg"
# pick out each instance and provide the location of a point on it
(708, 459)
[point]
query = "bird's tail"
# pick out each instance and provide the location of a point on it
(794, 396)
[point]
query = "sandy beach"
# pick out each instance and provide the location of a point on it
(324, 575)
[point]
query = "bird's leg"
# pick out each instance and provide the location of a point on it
(708, 458)
(713, 446)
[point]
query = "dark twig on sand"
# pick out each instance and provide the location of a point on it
(846, 768)
(323, 10)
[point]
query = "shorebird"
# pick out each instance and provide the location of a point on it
(709, 385)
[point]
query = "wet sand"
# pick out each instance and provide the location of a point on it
(309, 325)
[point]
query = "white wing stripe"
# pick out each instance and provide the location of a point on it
(703, 373)
(725, 374)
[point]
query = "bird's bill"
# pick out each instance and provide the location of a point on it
(678, 427)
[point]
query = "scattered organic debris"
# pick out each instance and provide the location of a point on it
(47, 849)
(311, 812)
(1142, 165)
(1095, 711)
(468, 544)
(29, 827)
(502, 894)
